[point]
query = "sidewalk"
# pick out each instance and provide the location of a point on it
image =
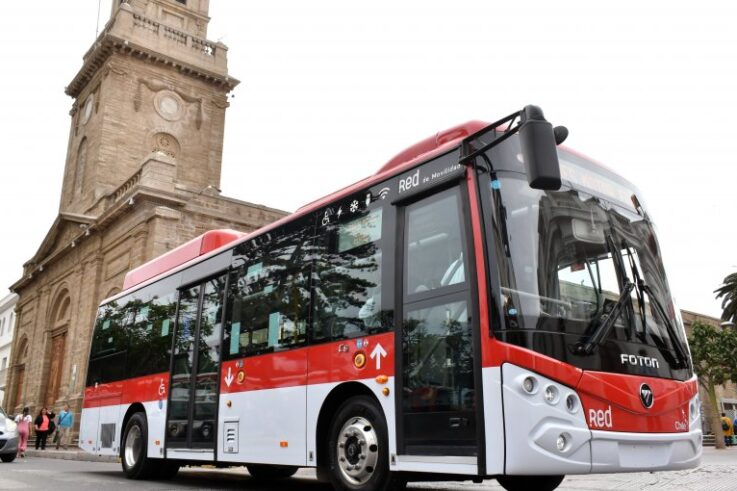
(73, 453)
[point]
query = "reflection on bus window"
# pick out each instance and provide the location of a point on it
(435, 251)
(269, 296)
(347, 278)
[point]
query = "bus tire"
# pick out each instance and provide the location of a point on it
(358, 448)
(267, 472)
(134, 450)
(525, 483)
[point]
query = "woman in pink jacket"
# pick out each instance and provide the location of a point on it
(24, 428)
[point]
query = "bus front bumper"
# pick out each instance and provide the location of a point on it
(644, 452)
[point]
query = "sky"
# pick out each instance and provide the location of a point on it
(330, 90)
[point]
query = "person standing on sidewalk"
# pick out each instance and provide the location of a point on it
(23, 422)
(727, 429)
(64, 428)
(41, 424)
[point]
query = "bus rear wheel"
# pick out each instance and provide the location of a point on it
(358, 448)
(134, 451)
(261, 471)
(526, 483)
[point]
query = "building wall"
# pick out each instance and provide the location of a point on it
(7, 322)
(142, 176)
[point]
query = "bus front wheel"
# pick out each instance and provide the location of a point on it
(134, 452)
(525, 483)
(358, 448)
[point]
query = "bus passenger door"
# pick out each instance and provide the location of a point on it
(436, 368)
(191, 425)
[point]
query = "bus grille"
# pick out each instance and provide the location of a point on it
(230, 441)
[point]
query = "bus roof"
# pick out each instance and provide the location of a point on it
(208, 242)
(199, 246)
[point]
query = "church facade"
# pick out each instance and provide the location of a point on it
(142, 176)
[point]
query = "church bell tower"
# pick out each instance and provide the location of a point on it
(151, 87)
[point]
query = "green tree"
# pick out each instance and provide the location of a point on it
(728, 290)
(713, 352)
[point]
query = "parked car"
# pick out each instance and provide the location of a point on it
(8, 438)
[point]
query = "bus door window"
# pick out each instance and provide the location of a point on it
(181, 376)
(438, 400)
(347, 278)
(208, 361)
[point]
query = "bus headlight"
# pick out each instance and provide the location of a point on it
(529, 384)
(694, 410)
(572, 403)
(562, 442)
(551, 394)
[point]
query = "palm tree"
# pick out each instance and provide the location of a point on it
(729, 291)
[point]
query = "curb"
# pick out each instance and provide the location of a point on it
(71, 455)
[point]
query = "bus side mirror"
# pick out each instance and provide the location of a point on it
(539, 144)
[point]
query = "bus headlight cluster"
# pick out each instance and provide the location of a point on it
(551, 393)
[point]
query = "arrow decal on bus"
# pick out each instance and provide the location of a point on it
(378, 353)
(229, 377)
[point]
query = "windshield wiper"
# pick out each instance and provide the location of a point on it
(668, 325)
(622, 280)
(607, 321)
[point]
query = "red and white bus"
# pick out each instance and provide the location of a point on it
(487, 305)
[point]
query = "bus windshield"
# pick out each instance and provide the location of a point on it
(570, 259)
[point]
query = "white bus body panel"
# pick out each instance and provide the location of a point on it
(493, 420)
(89, 429)
(264, 418)
(533, 425)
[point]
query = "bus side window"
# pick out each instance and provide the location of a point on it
(347, 278)
(109, 344)
(269, 295)
(150, 332)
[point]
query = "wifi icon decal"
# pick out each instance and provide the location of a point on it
(384, 192)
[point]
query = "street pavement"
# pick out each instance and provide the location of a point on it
(717, 472)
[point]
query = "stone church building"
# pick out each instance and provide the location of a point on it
(142, 176)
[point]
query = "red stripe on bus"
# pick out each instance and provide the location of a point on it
(483, 294)
(611, 402)
(339, 361)
(140, 389)
(500, 353)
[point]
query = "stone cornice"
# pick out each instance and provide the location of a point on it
(133, 34)
(110, 44)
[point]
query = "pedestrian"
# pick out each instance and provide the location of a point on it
(41, 424)
(728, 429)
(23, 422)
(64, 428)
